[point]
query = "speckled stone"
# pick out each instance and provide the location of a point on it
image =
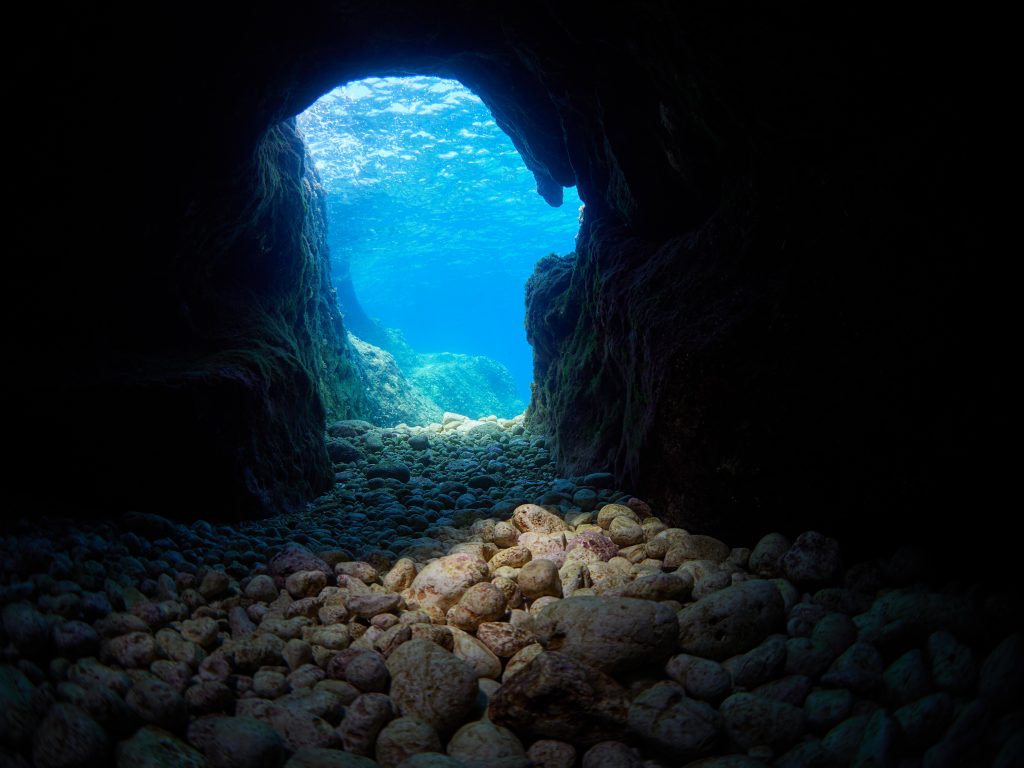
(613, 634)
(431, 684)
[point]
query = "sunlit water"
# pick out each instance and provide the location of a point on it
(437, 214)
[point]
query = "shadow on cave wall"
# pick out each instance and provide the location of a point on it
(776, 314)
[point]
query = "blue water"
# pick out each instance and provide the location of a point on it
(436, 213)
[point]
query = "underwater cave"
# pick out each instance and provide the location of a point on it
(755, 513)
(434, 226)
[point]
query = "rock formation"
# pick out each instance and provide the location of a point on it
(785, 300)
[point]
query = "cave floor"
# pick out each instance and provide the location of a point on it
(451, 602)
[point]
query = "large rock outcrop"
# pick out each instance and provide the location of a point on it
(785, 297)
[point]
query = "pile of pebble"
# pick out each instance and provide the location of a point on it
(452, 604)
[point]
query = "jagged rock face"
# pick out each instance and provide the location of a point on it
(391, 398)
(774, 305)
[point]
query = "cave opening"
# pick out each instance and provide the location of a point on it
(434, 225)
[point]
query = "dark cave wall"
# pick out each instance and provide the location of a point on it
(784, 305)
(798, 337)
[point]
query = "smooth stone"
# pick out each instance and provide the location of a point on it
(758, 665)
(404, 737)
(843, 740)
(859, 668)
(342, 451)
(670, 723)
(89, 673)
(841, 600)
(1001, 681)
(515, 556)
(540, 578)
(258, 651)
(208, 697)
(585, 499)
(813, 559)
(696, 547)
(924, 721)
(530, 517)
(1012, 753)
(952, 664)
(294, 558)
(441, 583)
(877, 744)
(806, 754)
(74, 639)
(153, 747)
(590, 547)
(611, 754)
(702, 678)
(177, 648)
(503, 639)
(373, 604)
(269, 684)
(243, 742)
(550, 753)
(364, 719)
(368, 672)
(625, 532)
(431, 760)
(320, 757)
(961, 738)
(301, 725)
(27, 628)
(752, 721)
(483, 602)
(305, 583)
(556, 697)
(792, 689)
(805, 657)
(401, 575)
(484, 743)
(835, 631)
(157, 703)
(521, 658)
(136, 650)
(907, 679)
(68, 737)
(826, 709)
(432, 684)
(262, 589)
(610, 512)
(398, 472)
(470, 650)
(802, 618)
(215, 584)
(730, 621)
(766, 558)
(20, 706)
(613, 634)
(660, 586)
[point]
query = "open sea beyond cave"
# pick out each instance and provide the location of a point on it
(435, 215)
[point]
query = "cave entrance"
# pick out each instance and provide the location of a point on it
(434, 225)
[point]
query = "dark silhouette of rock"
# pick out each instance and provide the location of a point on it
(786, 300)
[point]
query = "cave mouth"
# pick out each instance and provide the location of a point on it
(434, 225)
